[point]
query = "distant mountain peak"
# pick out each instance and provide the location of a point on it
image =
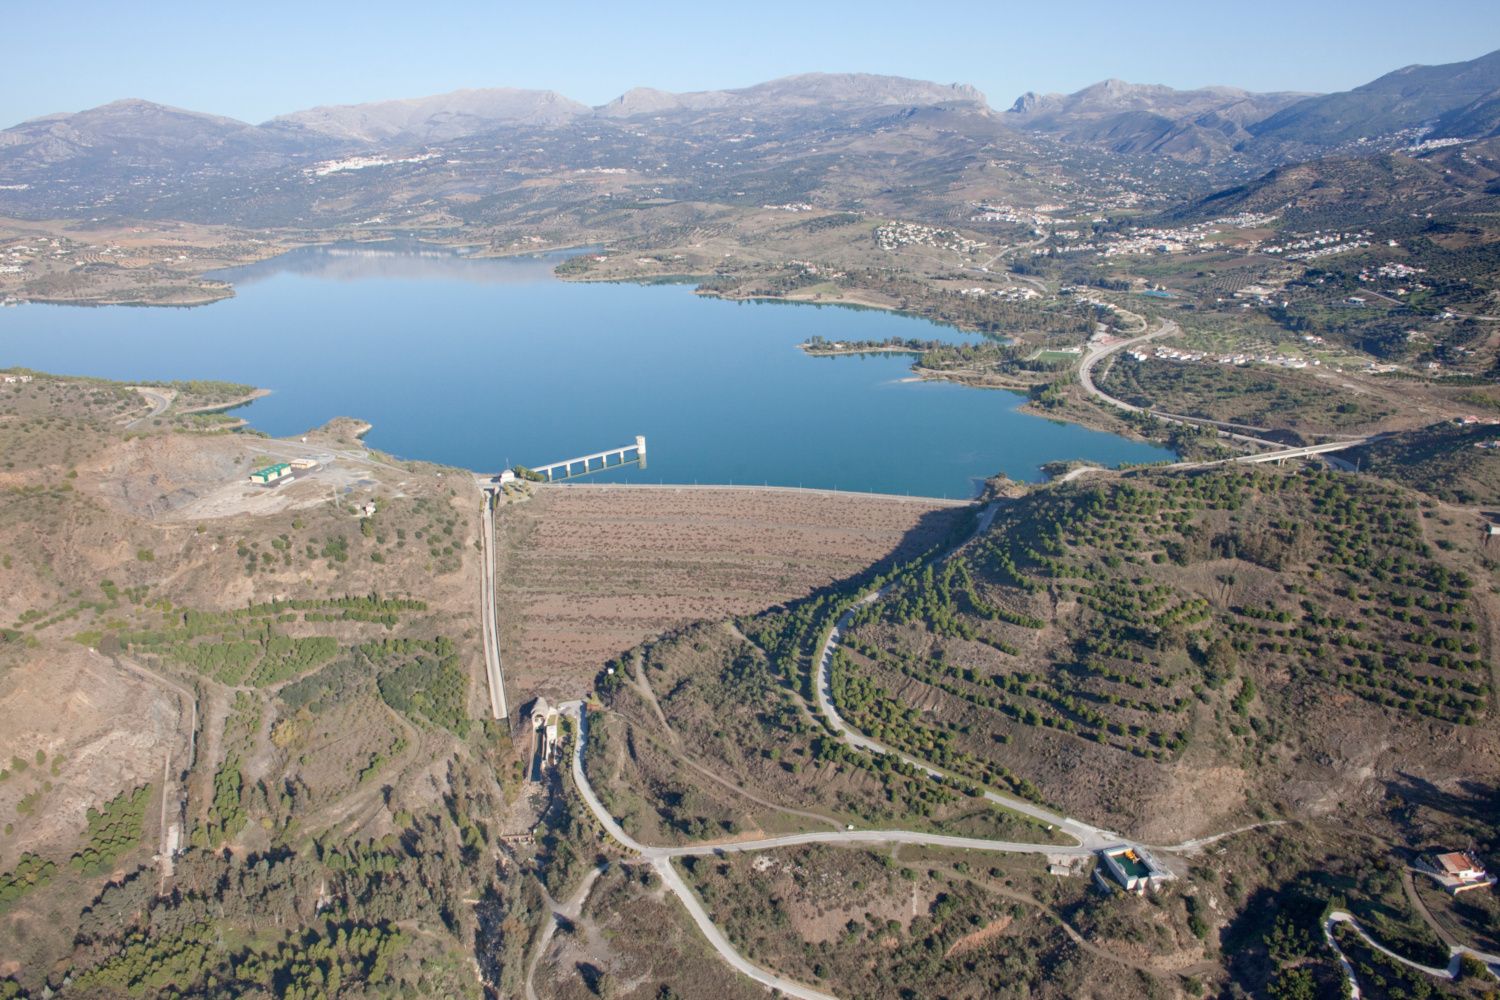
(641, 101)
(131, 108)
(877, 88)
(132, 104)
(802, 90)
(1031, 102)
(1201, 125)
(434, 118)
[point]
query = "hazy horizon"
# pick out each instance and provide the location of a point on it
(286, 58)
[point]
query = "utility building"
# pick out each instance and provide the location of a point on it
(1133, 868)
(544, 725)
(270, 474)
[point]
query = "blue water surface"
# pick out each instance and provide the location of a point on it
(487, 363)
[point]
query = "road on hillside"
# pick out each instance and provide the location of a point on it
(1451, 973)
(1099, 352)
(1278, 452)
(1089, 838)
(660, 857)
(662, 862)
(499, 708)
(159, 402)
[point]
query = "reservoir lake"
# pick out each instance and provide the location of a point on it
(485, 363)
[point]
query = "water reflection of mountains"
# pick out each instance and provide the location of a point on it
(401, 260)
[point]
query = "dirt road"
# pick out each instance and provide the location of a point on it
(170, 796)
(499, 709)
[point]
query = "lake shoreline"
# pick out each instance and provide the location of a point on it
(428, 343)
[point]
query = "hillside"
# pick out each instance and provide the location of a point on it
(116, 141)
(1450, 461)
(1453, 180)
(1200, 126)
(237, 696)
(1478, 119)
(1175, 654)
(1410, 98)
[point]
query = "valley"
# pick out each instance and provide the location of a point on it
(1097, 599)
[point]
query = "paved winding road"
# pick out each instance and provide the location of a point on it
(1089, 838)
(159, 402)
(660, 857)
(661, 860)
(1168, 328)
(1455, 953)
(1278, 453)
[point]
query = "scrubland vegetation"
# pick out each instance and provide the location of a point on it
(1168, 653)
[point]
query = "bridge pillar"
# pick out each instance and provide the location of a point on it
(640, 447)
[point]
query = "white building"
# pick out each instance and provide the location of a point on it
(1133, 868)
(544, 726)
(1456, 871)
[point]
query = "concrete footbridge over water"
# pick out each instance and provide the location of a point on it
(585, 463)
(571, 468)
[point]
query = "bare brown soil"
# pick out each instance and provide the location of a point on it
(978, 939)
(640, 940)
(106, 531)
(103, 730)
(584, 574)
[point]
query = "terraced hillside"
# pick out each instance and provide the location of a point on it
(1169, 653)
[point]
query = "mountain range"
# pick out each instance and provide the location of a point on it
(1194, 125)
(138, 127)
(926, 133)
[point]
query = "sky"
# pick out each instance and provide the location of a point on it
(255, 60)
